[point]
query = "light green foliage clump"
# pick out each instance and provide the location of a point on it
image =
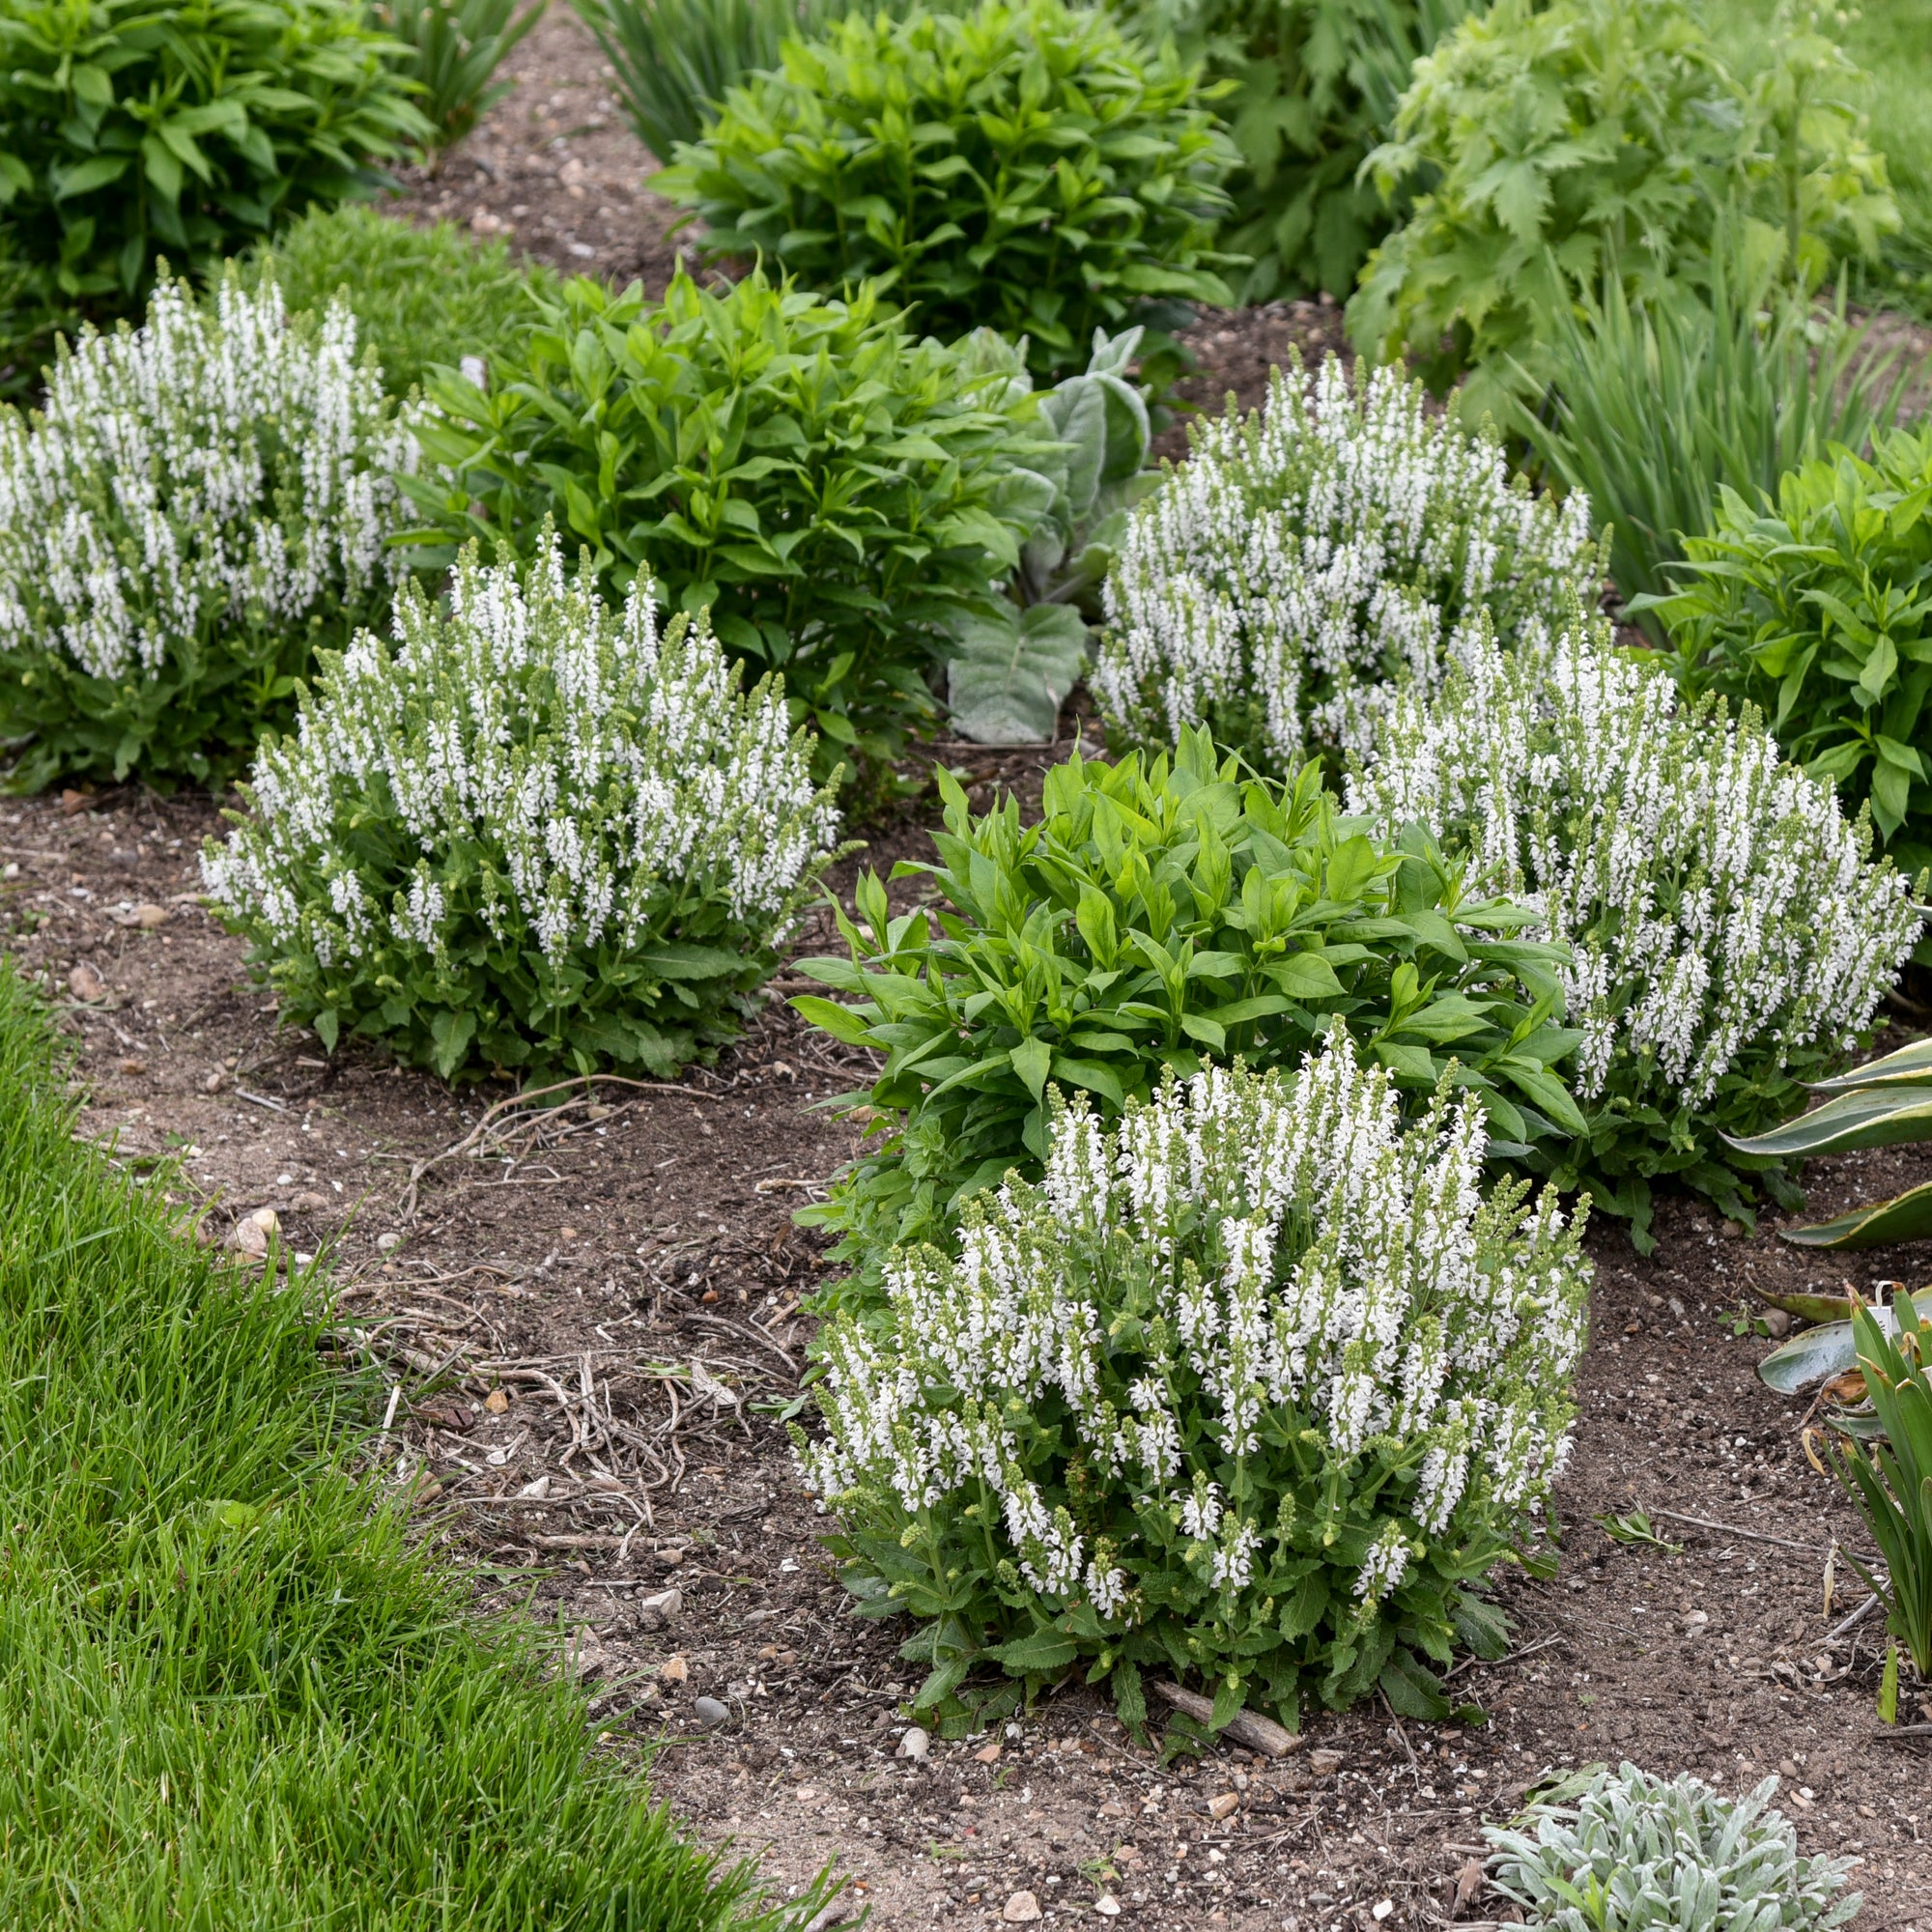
(531, 835)
(423, 297)
(1623, 1851)
(830, 490)
(1254, 1386)
(1551, 143)
(184, 129)
(1024, 167)
(1159, 916)
(1817, 606)
(455, 48)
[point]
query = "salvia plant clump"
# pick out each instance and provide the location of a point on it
(1253, 1386)
(201, 502)
(1306, 559)
(531, 833)
(1731, 936)
(1619, 1851)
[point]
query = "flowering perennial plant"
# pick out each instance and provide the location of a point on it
(1254, 1385)
(1304, 559)
(533, 833)
(201, 502)
(1731, 936)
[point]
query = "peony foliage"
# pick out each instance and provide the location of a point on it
(533, 833)
(1310, 556)
(1731, 937)
(1254, 1387)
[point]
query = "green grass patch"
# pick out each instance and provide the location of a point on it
(233, 1692)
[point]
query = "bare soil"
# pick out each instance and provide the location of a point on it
(612, 1300)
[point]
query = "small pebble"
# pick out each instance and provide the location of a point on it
(1323, 1762)
(1778, 1323)
(711, 1713)
(1107, 1905)
(674, 1670)
(389, 1244)
(656, 1611)
(1223, 1807)
(1022, 1909)
(497, 1401)
(915, 1745)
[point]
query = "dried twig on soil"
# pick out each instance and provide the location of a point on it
(1247, 1727)
(1755, 1535)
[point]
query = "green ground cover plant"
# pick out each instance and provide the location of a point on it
(202, 501)
(1816, 606)
(1161, 916)
(455, 48)
(1255, 1386)
(832, 491)
(1549, 142)
(236, 1689)
(1024, 165)
(185, 129)
(1577, 778)
(423, 297)
(531, 835)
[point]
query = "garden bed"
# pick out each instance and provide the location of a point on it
(641, 1265)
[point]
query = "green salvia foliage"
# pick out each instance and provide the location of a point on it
(1892, 1481)
(1654, 409)
(1316, 84)
(1157, 916)
(676, 60)
(1255, 1387)
(1015, 656)
(1024, 167)
(828, 489)
(1817, 606)
(533, 834)
(1625, 1852)
(138, 128)
(421, 296)
(456, 47)
(1549, 140)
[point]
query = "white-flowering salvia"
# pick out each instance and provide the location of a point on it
(198, 500)
(1247, 1365)
(1625, 1852)
(532, 825)
(1304, 561)
(1730, 934)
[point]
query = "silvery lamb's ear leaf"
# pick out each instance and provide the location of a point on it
(1078, 413)
(1127, 431)
(1040, 557)
(1112, 353)
(1033, 495)
(1012, 671)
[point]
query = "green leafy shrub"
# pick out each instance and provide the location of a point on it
(1730, 938)
(531, 835)
(1551, 140)
(1016, 656)
(1818, 609)
(188, 129)
(1304, 561)
(1316, 84)
(1024, 167)
(1653, 409)
(1620, 1850)
(676, 60)
(830, 490)
(1157, 916)
(423, 297)
(1255, 1385)
(204, 501)
(455, 48)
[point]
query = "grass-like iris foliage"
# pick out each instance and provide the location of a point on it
(1161, 916)
(1023, 165)
(236, 1689)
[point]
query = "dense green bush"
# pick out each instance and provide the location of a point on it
(1024, 167)
(1307, 560)
(1817, 606)
(1653, 409)
(533, 834)
(1255, 1387)
(1315, 85)
(830, 490)
(1550, 141)
(423, 297)
(1730, 939)
(1157, 917)
(204, 501)
(455, 47)
(136, 129)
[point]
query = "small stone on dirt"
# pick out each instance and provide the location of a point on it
(250, 1234)
(148, 917)
(1224, 1806)
(1322, 1762)
(537, 1490)
(1107, 1905)
(389, 1244)
(131, 1067)
(1778, 1325)
(655, 1612)
(212, 1084)
(308, 1203)
(674, 1670)
(86, 984)
(497, 1401)
(915, 1745)
(1022, 1909)
(986, 1755)
(711, 1713)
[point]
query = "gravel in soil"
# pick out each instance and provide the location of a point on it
(612, 1296)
